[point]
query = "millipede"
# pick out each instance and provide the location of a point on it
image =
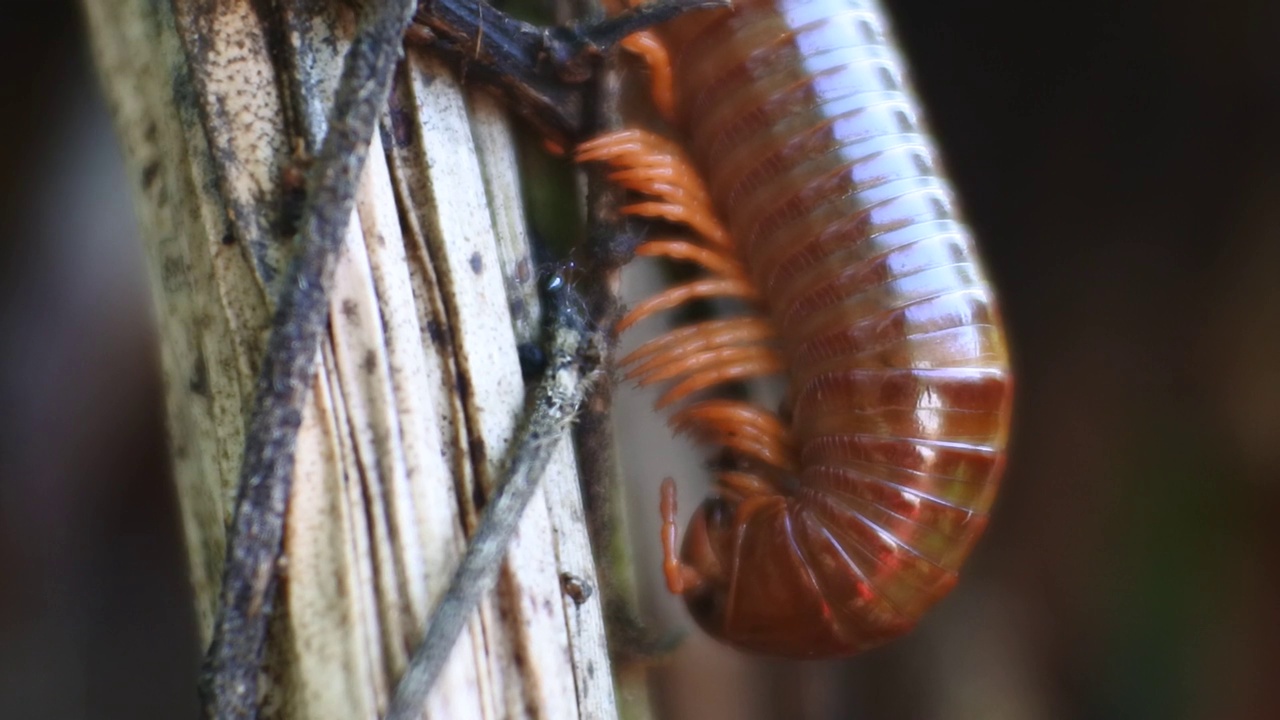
(804, 184)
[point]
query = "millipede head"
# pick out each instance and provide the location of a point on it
(703, 555)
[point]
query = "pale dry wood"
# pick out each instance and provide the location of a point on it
(417, 393)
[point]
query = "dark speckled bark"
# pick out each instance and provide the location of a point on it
(232, 667)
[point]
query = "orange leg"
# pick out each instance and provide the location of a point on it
(700, 218)
(680, 577)
(749, 429)
(653, 53)
(653, 166)
(714, 261)
(692, 362)
(743, 485)
(765, 363)
(706, 335)
(681, 294)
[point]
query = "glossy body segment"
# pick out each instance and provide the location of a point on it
(846, 515)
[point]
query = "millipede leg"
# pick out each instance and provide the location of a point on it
(653, 53)
(652, 166)
(680, 577)
(744, 485)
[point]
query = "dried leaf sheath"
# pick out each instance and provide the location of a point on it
(375, 522)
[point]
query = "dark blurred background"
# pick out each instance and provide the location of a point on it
(95, 620)
(1121, 162)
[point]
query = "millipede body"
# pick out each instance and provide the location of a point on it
(812, 192)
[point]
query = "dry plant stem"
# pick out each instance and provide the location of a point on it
(417, 394)
(573, 358)
(250, 572)
(230, 681)
(611, 243)
(544, 73)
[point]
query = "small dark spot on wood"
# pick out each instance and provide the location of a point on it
(478, 453)
(228, 238)
(591, 669)
(402, 127)
(524, 270)
(150, 173)
(370, 364)
(521, 663)
(463, 386)
(199, 381)
(436, 333)
(477, 263)
(351, 311)
(293, 181)
(518, 308)
(578, 589)
(151, 132)
(478, 499)
(293, 176)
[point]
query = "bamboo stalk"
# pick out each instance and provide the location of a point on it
(418, 389)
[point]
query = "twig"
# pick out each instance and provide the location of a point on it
(574, 356)
(611, 243)
(230, 676)
(543, 73)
